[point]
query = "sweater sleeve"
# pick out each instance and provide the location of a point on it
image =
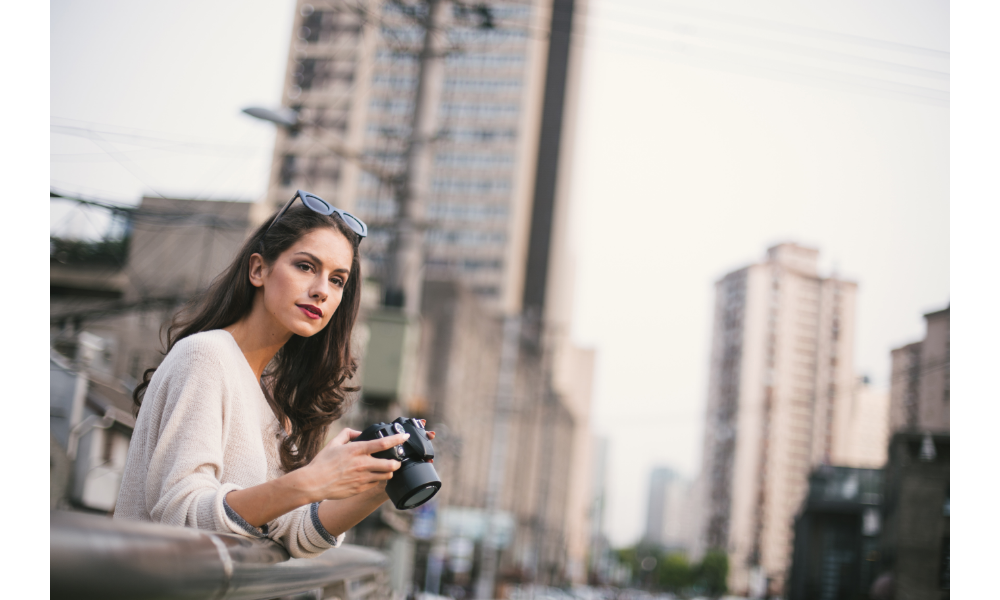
(302, 533)
(183, 484)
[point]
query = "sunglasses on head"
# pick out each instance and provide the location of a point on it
(317, 204)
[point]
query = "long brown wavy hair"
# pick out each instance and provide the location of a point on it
(306, 382)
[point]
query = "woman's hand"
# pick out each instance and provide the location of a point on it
(343, 469)
(430, 435)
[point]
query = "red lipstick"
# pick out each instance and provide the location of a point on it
(313, 312)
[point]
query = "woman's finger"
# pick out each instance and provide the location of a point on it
(344, 436)
(382, 465)
(431, 435)
(373, 446)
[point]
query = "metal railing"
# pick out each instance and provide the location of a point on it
(93, 556)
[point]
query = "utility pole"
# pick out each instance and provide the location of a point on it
(498, 453)
(406, 251)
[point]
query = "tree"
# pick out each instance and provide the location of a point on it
(674, 573)
(713, 571)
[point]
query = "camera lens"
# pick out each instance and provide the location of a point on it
(418, 498)
(413, 484)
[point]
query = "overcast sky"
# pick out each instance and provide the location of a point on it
(707, 131)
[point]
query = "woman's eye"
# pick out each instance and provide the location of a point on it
(305, 266)
(337, 281)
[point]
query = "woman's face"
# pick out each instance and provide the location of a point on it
(304, 286)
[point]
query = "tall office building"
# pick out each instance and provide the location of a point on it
(495, 214)
(781, 376)
(668, 512)
(656, 507)
(495, 211)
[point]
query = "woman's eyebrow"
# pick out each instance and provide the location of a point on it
(312, 256)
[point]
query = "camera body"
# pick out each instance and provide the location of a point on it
(416, 481)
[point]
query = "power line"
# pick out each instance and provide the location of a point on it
(159, 144)
(706, 57)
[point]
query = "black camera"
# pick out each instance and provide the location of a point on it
(416, 481)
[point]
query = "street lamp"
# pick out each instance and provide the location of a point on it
(285, 117)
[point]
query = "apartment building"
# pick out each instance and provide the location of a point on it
(920, 393)
(781, 377)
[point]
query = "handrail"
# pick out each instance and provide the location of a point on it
(91, 556)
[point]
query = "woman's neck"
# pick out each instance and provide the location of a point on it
(258, 338)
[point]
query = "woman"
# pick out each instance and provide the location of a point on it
(230, 434)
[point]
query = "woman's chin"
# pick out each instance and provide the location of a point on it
(306, 329)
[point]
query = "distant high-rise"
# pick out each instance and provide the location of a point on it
(781, 377)
(921, 379)
(496, 207)
(668, 511)
(656, 508)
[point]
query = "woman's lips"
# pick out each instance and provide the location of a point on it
(313, 312)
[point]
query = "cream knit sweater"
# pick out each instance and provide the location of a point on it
(205, 429)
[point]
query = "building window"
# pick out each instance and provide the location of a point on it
(317, 73)
(311, 26)
(489, 290)
(326, 26)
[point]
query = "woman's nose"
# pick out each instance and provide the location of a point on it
(320, 291)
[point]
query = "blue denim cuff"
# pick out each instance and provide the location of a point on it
(314, 513)
(247, 527)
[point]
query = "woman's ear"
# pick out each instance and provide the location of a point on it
(256, 270)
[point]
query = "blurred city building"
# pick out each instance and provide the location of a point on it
(495, 245)
(543, 519)
(107, 310)
(836, 535)
(915, 542)
(921, 379)
(865, 440)
(668, 511)
(601, 561)
(780, 388)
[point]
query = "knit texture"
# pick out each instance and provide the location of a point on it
(204, 430)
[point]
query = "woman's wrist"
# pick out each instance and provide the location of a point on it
(301, 485)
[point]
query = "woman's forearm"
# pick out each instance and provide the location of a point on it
(263, 503)
(338, 516)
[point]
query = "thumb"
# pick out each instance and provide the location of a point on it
(346, 435)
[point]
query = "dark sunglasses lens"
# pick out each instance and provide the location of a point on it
(317, 204)
(355, 224)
